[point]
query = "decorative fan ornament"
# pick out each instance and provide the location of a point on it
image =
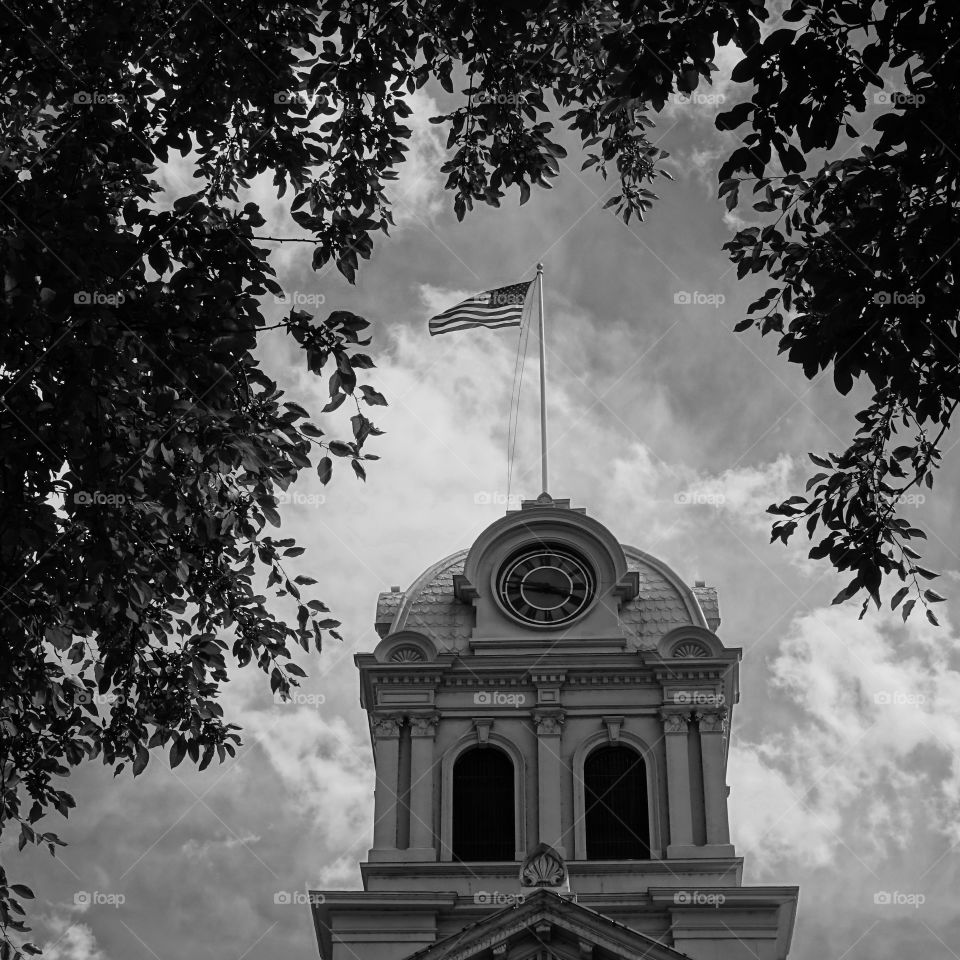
(406, 655)
(690, 648)
(543, 868)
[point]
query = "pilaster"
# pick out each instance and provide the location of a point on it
(676, 733)
(549, 724)
(422, 772)
(386, 752)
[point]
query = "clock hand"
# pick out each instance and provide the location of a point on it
(539, 585)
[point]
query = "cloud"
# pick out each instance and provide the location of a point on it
(437, 299)
(72, 941)
(869, 757)
(418, 193)
(744, 493)
(324, 766)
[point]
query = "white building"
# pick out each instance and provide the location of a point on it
(550, 713)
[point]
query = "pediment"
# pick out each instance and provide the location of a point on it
(546, 926)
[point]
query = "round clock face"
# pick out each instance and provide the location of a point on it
(545, 586)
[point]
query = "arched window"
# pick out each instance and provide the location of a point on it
(483, 805)
(615, 811)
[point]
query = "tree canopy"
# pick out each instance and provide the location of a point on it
(144, 446)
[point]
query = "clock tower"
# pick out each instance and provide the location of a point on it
(550, 713)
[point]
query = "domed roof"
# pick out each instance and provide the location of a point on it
(430, 607)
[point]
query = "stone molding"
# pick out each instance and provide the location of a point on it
(613, 725)
(482, 727)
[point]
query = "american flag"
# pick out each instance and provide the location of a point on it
(502, 307)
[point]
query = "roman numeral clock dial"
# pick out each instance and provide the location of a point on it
(545, 586)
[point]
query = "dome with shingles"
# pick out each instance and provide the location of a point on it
(660, 606)
(430, 607)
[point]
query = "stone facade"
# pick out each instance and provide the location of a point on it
(642, 667)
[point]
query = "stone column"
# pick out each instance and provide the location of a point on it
(549, 726)
(713, 733)
(386, 757)
(676, 737)
(422, 840)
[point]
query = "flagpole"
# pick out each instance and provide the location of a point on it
(543, 386)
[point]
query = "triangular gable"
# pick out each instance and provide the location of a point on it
(545, 920)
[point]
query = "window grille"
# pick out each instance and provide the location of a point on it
(617, 819)
(483, 806)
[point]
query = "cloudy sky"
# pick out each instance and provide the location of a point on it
(844, 765)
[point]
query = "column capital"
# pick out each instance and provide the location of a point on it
(675, 721)
(712, 721)
(424, 725)
(386, 727)
(549, 724)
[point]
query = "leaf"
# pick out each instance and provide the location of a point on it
(898, 596)
(141, 760)
(339, 449)
(21, 890)
(933, 597)
(932, 618)
(178, 751)
(842, 379)
(849, 590)
(324, 470)
(358, 469)
(334, 403)
(907, 607)
(372, 397)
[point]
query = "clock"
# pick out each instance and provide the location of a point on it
(546, 585)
